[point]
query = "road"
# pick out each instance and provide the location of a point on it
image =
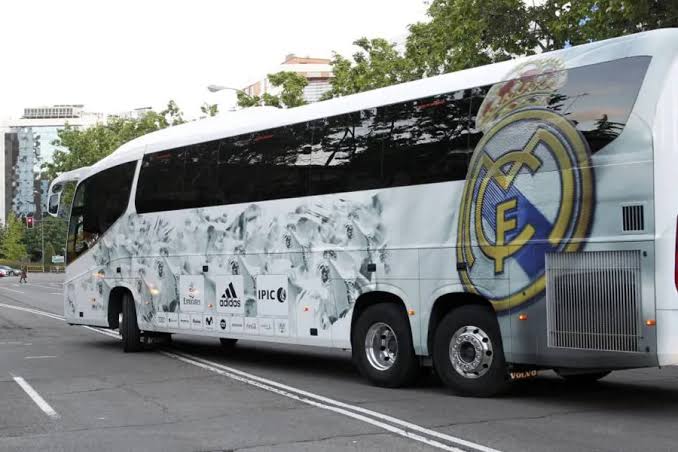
(193, 396)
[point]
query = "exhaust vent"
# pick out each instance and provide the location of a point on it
(593, 300)
(633, 218)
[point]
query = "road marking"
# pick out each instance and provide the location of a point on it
(12, 290)
(38, 285)
(56, 293)
(377, 419)
(39, 357)
(39, 401)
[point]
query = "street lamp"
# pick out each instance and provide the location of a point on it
(217, 88)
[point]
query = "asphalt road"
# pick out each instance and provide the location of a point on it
(72, 388)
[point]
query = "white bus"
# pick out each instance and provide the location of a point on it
(494, 221)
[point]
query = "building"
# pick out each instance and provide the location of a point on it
(317, 71)
(26, 144)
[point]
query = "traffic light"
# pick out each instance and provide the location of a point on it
(29, 222)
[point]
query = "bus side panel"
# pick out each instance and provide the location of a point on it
(666, 214)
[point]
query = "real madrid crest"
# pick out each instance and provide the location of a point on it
(529, 189)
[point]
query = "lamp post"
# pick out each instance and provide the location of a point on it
(217, 88)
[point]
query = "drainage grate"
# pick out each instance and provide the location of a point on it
(593, 300)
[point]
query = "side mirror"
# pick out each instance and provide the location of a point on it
(54, 199)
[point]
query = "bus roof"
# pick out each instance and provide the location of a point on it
(664, 42)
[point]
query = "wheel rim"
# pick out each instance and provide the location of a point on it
(381, 346)
(471, 352)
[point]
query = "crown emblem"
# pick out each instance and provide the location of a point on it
(530, 84)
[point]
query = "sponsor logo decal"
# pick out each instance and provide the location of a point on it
(185, 321)
(281, 327)
(529, 191)
(196, 322)
(251, 326)
(223, 324)
(230, 294)
(209, 322)
(172, 320)
(191, 293)
(272, 295)
(266, 327)
(237, 324)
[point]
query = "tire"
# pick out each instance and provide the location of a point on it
(391, 362)
(590, 377)
(479, 368)
(129, 329)
(228, 344)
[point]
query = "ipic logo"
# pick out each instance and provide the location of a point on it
(230, 299)
(279, 295)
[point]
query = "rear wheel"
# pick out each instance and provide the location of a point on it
(129, 329)
(382, 346)
(468, 354)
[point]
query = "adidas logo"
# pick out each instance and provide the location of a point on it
(229, 299)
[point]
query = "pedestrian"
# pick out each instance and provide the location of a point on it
(23, 275)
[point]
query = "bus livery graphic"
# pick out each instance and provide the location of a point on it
(507, 224)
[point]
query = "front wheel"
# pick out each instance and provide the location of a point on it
(468, 354)
(382, 346)
(129, 329)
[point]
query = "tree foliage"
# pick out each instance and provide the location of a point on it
(461, 34)
(291, 94)
(83, 147)
(12, 246)
(54, 230)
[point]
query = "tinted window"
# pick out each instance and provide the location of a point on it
(346, 153)
(161, 181)
(598, 98)
(98, 203)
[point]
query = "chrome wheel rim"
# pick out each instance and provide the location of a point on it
(381, 346)
(471, 352)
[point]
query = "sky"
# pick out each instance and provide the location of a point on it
(115, 56)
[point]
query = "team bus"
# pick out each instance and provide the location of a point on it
(489, 222)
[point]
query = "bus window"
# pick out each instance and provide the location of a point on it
(99, 201)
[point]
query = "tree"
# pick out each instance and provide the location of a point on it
(84, 147)
(376, 64)
(291, 94)
(461, 34)
(55, 230)
(209, 109)
(12, 246)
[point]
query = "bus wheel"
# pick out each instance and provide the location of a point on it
(382, 346)
(576, 378)
(228, 344)
(468, 354)
(129, 329)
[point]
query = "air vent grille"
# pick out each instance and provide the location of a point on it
(593, 300)
(633, 218)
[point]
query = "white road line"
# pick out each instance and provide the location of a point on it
(360, 417)
(56, 293)
(38, 285)
(377, 419)
(39, 401)
(39, 357)
(34, 311)
(12, 290)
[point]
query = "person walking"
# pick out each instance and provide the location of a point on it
(23, 275)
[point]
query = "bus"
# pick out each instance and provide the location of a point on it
(491, 223)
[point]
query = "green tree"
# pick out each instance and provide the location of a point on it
(461, 34)
(376, 64)
(12, 246)
(55, 230)
(291, 94)
(83, 147)
(209, 109)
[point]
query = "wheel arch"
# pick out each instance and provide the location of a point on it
(371, 298)
(115, 298)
